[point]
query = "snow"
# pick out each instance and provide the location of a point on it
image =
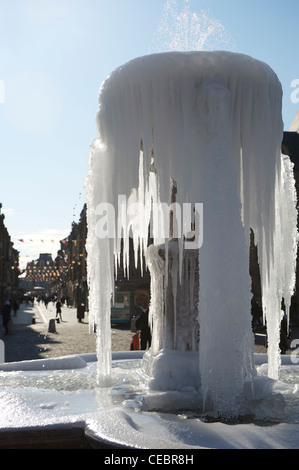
(129, 414)
(211, 123)
(172, 370)
(68, 362)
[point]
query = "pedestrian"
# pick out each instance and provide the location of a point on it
(6, 316)
(58, 310)
(143, 326)
(15, 306)
(135, 343)
(80, 312)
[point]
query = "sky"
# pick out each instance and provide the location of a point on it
(54, 55)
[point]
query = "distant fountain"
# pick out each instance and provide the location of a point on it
(211, 121)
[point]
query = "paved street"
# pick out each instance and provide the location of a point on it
(33, 341)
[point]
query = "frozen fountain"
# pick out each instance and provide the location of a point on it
(188, 155)
(202, 129)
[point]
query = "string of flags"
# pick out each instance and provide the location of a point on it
(64, 241)
(47, 269)
(74, 208)
(46, 272)
(31, 240)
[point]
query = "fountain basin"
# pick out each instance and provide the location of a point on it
(65, 400)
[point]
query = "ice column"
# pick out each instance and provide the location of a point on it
(211, 121)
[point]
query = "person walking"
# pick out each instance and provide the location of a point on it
(143, 326)
(80, 312)
(6, 316)
(58, 311)
(15, 306)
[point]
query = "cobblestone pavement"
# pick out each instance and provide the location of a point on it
(32, 340)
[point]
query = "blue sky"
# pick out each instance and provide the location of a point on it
(54, 55)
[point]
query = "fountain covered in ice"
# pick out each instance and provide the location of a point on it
(188, 151)
(207, 124)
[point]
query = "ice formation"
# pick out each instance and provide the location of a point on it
(211, 122)
(35, 396)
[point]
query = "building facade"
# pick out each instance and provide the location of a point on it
(39, 274)
(9, 265)
(71, 283)
(71, 265)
